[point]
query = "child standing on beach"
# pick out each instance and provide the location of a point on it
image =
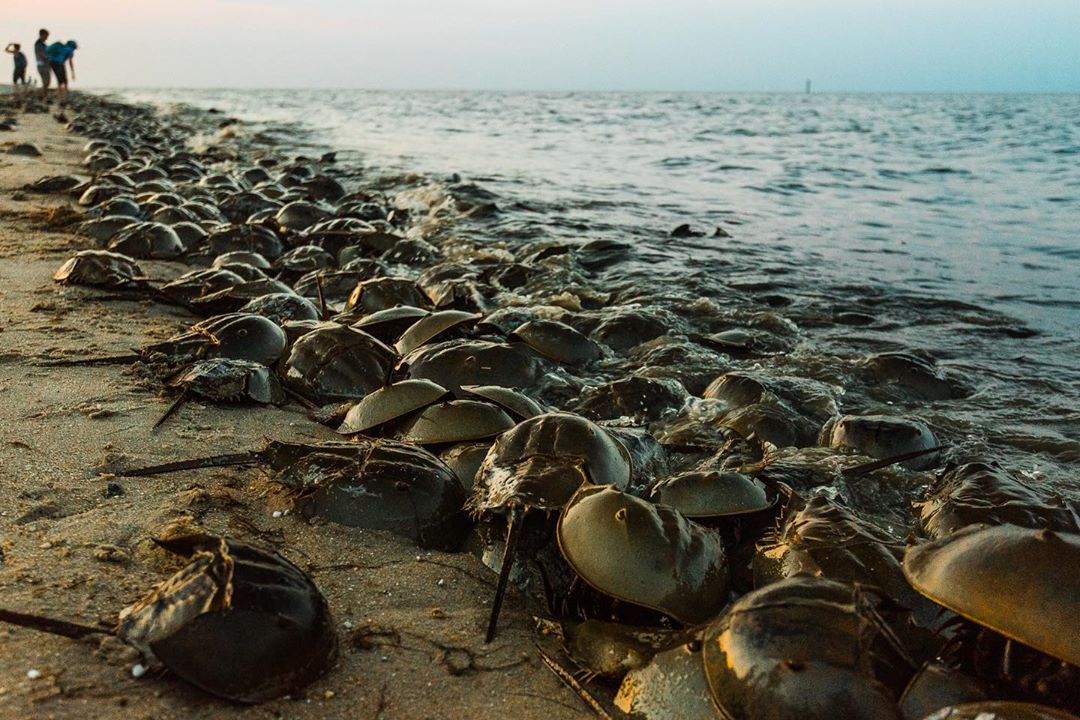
(59, 53)
(20, 65)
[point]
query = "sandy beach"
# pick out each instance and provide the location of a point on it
(76, 544)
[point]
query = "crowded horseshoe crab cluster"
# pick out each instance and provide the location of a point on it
(705, 535)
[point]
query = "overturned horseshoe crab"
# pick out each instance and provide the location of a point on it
(239, 622)
(225, 380)
(650, 555)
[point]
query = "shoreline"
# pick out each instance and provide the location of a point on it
(77, 546)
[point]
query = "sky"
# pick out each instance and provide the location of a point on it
(723, 45)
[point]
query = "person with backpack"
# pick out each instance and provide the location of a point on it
(59, 53)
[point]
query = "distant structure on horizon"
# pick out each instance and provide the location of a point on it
(808, 87)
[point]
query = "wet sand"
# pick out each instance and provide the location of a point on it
(77, 545)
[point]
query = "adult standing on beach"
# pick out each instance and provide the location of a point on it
(42, 58)
(20, 65)
(59, 53)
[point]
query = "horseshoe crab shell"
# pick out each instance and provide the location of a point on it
(518, 403)
(431, 326)
(558, 341)
(963, 573)
(542, 462)
(148, 240)
(98, 268)
(999, 710)
(385, 292)
(240, 336)
(239, 622)
(335, 362)
(453, 364)
(646, 554)
(382, 485)
(882, 436)
(390, 402)
(465, 460)
(456, 421)
(711, 493)
(982, 493)
(673, 685)
(231, 380)
(390, 323)
(799, 649)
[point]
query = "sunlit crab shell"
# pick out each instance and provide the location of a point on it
(242, 336)
(246, 257)
(645, 554)
(453, 364)
(239, 622)
(542, 462)
(390, 402)
(300, 215)
(882, 436)
(517, 403)
(963, 572)
(711, 493)
(456, 421)
(800, 649)
(431, 326)
(389, 324)
(148, 240)
(98, 268)
(558, 341)
(673, 685)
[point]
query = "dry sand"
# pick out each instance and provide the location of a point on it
(411, 622)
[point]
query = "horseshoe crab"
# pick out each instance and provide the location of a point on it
(999, 710)
(389, 403)
(639, 398)
(608, 650)
(100, 268)
(370, 484)
(226, 380)
(103, 229)
(335, 362)
(282, 308)
(456, 421)
(711, 494)
(517, 403)
(238, 622)
(148, 240)
(881, 436)
(386, 292)
(453, 364)
(962, 572)
(652, 556)
(386, 325)
(800, 649)
(431, 326)
(540, 463)
(914, 373)
(465, 460)
(936, 685)
(985, 493)
(557, 341)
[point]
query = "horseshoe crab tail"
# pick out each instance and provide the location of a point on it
(244, 458)
(856, 470)
(513, 534)
(324, 313)
(63, 628)
(88, 362)
(173, 407)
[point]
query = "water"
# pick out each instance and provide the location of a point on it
(951, 219)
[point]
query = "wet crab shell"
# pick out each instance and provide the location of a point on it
(231, 380)
(148, 240)
(383, 485)
(430, 326)
(799, 649)
(772, 422)
(282, 307)
(985, 493)
(98, 268)
(999, 710)
(385, 292)
(453, 364)
(962, 572)
(542, 462)
(239, 622)
(335, 362)
(390, 402)
(456, 421)
(645, 554)
(882, 436)
(558, 341)
(711, 493)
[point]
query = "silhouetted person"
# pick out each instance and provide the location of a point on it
(20, 65)
(59, 53)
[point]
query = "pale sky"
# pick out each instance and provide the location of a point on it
(766, 45)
